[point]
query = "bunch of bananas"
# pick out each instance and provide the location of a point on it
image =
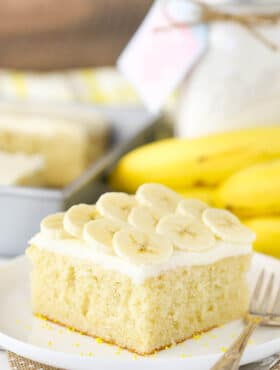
(237, 170)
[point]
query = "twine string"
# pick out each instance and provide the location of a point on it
(209, 14)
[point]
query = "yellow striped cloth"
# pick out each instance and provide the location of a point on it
(101, 86)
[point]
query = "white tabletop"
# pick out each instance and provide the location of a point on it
(3, 358)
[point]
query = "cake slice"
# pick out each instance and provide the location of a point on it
(67, 146)
(144, 271)
(21, 169)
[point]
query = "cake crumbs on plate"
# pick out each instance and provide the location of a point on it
(50, 343)
(223, 349)
(183, 355)
(197, 336)
(118, 351)
(99, 340)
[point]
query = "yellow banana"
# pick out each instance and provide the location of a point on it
(267, 230)
(208, 160)
(254, 191)
(203, 193)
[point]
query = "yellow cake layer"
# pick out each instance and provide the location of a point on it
(163, 310)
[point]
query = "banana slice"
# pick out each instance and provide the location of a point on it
(52, 226)
(144, 218)
(227, 226)
(186, 233)
(141, 248)
(191, 207)
(159, 197)
(76, 218)
(98, 234)
(116, 206)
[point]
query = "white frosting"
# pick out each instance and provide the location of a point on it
(33, 124)
(15, 167)
(139, 273)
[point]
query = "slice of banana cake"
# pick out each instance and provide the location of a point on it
(142, 271)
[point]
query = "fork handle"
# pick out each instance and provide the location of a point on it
(231, 358)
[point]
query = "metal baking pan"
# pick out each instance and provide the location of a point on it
(22, 208)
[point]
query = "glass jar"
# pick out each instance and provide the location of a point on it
(236, 83)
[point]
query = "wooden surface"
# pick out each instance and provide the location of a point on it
(49, 38)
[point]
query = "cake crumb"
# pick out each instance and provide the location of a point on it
(90, 354)
(223, 349)
(135, 357)
(183, 355)
(197, 336)
(27, 327)
(77, 345)
(50, 343)
(99, 340)
(118, 351)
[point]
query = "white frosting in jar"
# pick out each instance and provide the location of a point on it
(139, 273)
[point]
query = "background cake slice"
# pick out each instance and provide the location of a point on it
(142, 290)
(67, 146)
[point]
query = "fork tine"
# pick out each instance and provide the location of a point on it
(276, 305)
(266, 303)
(256, 294)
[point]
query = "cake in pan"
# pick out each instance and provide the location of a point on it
(142, 271)
(67, 147)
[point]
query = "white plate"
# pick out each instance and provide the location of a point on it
(56, 346)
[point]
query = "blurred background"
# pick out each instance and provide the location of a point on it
(72, 127)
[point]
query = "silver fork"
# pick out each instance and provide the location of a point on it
(264, 310)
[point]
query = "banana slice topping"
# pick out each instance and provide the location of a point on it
(76, 218)
(141, 248)
(186, 233)
(52, 226)
(158, 197)
(98, 234)
(191, 207)
(116, 206)
(145, 228)
(144, 218)
(226, 226)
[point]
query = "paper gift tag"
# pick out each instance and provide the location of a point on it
(162, 51)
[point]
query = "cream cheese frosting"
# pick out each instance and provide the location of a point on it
(144, 235)
(138, 273)
(18, 166)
